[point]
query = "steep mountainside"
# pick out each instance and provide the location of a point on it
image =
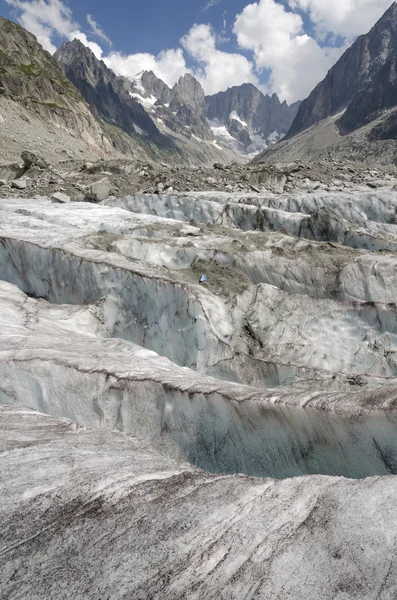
(30, 76)
(368, 104)
(358, 68)
(109, 97)
(246, 113)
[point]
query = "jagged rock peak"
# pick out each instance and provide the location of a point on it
(262, 114)
(356, 69)
(190, 91)
(153, 86)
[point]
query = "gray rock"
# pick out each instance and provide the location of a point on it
(30, 159)
(99, 190)
(3, 182)
(19, 184)
(60, 197)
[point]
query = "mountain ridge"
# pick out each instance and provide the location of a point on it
(351, 73)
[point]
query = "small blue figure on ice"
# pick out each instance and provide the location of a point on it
(203, 279)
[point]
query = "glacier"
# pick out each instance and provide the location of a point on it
(166, 439)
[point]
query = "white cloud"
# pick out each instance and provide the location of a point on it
(169, 65)
(271, 32)
(211, 3)
(98, 31)
(43, 19)
(279, 44)
(347, 18)
(49, 18)
(217, 70)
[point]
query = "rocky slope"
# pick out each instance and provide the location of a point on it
(248, 114)
(360, 66)
(369, 147)
(29, 76)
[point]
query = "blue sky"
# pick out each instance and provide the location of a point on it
(283, 46)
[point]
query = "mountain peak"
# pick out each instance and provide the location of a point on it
(190, 91)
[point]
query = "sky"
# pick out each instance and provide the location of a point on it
(282, 46)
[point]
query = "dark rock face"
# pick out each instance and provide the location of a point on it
(189, 91)
(368, 105)
(355, 71)
(386, 130)
(108, 95)
(238, 131)
(262, 114)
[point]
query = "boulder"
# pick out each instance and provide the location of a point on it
(61, 198)
(30, 159)
(19, 184)
(12, 171)
(99, 190)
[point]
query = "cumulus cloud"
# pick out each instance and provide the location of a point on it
(49, 18)
(44, 19)
(346, 18)
(277, 48)
(169, 65)
(279, 44)
(216, 70)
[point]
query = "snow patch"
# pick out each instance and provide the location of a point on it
(147, 103)
(234, 117)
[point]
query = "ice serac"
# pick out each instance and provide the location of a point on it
(358, 68)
